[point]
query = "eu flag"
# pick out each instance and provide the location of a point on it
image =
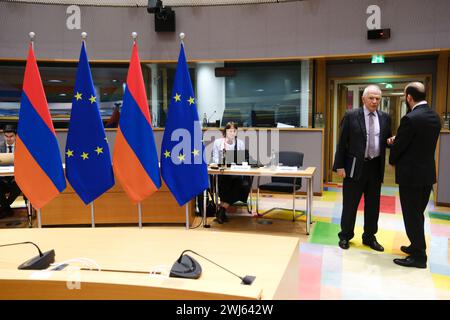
(183, 166)
(88, 161)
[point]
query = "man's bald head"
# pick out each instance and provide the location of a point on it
(373, 88)
(416, 90)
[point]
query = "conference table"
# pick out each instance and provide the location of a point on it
(132, 263)
(307, 174)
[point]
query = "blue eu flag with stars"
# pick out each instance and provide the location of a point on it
(88, 161)
(183, 166)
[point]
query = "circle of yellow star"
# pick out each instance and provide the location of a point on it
(92, 99)
(69, 153)
(167, 154)
(191, 100)
(195, 152)
(78, 96)
(85, 155)
(181, 157)
(99, 150)
(177, 97)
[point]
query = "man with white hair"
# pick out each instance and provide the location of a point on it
(412, 153)
(359, 159)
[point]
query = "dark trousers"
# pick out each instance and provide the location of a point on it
(370, 185)
(414, 200)
(234, 188)
(9, 191)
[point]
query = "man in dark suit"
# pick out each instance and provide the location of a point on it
(9, 190)
(412, 154)
(359, 159)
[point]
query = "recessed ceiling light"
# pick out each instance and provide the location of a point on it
(63, 94)
(54, 81)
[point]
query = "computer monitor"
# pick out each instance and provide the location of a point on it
(234, 115)
(235, 157)
(263, 118)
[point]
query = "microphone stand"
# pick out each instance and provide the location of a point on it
(187, 267)
(40, 262)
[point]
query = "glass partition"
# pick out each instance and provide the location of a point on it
(260, 94)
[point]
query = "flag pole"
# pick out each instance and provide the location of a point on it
(182, 36)
(92, 215)
(32, 35)
(39, 218)
(140, 214)
(30, 208)
(187, 215)
(134, 36)
(83, 37)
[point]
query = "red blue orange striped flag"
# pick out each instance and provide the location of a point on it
(37, 161)
(135, 159)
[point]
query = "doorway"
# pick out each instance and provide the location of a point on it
(346, 94)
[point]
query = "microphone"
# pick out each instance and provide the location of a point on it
(223, 161)
(40, 262)
(187, 267)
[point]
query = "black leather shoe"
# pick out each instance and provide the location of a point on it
(344, 244)
(219, 215)
(411, 262)
(374, 245)
(405, 249)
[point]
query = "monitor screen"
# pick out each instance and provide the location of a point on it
(263, 118)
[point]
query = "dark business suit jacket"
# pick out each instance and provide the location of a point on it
(3, 148)
(413, 150)
(353, 139)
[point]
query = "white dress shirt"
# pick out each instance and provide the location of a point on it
(221, 144)
(10, 145)
(376, 124)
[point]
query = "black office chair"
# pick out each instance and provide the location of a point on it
(283, 185)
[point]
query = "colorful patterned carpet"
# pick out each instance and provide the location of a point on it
(328, 272)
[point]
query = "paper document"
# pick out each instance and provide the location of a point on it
(5, 169)
(284, 125)
(286, 168)
(237, 167)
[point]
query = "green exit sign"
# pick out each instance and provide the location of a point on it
(377, 58)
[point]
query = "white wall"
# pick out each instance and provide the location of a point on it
(210, 91)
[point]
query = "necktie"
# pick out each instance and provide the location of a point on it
(9, 149)
(371, 149)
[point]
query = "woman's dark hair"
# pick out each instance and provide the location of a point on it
(415, 93)
(229, 125)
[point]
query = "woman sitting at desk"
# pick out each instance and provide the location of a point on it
(231, 188)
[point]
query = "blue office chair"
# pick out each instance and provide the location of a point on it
(281, 184)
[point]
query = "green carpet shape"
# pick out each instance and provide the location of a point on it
(440, 216)
(325, 233)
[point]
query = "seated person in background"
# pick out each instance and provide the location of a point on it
(9, 190)
(231, 188)
(113, 121)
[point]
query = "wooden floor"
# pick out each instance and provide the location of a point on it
(249, 224)
(239, 222)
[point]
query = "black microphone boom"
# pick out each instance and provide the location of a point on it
(40, 262)
(188, 267)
